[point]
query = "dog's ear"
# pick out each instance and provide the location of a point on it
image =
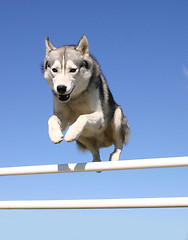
(49, 46)
(83, 46)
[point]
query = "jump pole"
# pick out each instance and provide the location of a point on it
(97, 166)
(97, 203)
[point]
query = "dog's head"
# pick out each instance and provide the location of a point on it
(67, 69)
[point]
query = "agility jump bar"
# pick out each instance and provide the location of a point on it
(97, 166)
(97, 203)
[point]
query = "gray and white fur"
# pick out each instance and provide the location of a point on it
(83, 101)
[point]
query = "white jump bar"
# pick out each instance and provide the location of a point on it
(97, 203)
(97, 166)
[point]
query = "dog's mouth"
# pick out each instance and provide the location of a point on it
(65, 97)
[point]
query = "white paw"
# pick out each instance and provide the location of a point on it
(55, 132)
(55, 135)
(114, 156)
(72, 134)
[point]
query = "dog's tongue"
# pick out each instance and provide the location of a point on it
(64, 98)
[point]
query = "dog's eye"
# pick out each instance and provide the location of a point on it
(72, 70)
(54, 70)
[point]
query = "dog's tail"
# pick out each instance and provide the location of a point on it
(125, 130)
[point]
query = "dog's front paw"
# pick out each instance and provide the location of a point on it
(72, 134)
(55, 132)
(55, 135)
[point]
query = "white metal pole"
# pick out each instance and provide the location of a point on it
(97, 203)
(97, 166)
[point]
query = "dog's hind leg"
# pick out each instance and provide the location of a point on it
(120, 130)
(114, 156)
(87, 143)
(96, 155)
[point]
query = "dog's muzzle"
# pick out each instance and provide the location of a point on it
(64, 98)
(62, 95)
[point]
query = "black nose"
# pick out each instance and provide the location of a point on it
(61, 89)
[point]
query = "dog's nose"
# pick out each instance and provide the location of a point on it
(61, 89)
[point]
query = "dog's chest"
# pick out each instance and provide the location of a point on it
(71, 111)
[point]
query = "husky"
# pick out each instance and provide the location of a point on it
(82, 100)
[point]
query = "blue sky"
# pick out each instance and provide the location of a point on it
(142, 47)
